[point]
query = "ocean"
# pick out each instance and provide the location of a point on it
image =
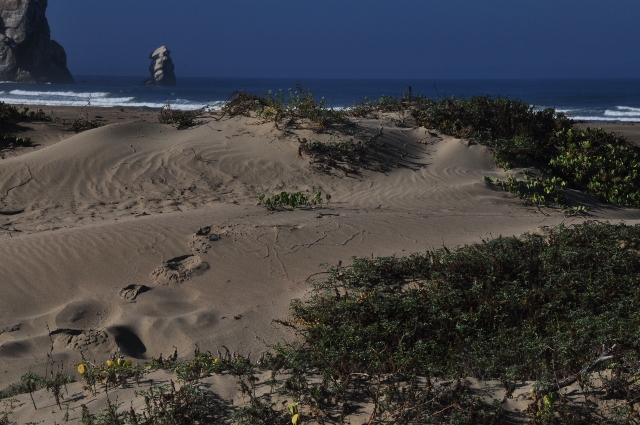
(581, 99)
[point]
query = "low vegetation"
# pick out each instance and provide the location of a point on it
(518, 135)
(294, 109)
(180, 119)
(10, 117)
(595, 161)
(292, 200)
(79, 124)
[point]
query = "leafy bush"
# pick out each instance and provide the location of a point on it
(490, 119)
(10, 114)
(507, 308)
(595, 161)
(536, 190)
(599, 162)
(540, 307)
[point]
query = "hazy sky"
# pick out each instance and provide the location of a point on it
(353, 38)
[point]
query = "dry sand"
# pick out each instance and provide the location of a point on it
(137, 237)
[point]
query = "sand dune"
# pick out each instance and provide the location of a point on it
(136, 237)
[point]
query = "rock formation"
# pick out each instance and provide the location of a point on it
(27, 53)
(161, 68)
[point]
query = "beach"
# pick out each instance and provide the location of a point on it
(139, 238)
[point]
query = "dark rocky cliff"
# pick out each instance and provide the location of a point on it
(27, 53)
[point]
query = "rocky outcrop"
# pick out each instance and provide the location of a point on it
(27, 53)
(161, 68)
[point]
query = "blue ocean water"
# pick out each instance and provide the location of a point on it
(582, 99)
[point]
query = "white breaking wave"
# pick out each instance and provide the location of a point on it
(628, 108)
(116, 101)
(623, 111)
(600, 118)
(610, 113)
(108, 102)
(58, 94)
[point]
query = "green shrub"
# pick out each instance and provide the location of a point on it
(594, 161)
(508, 308)
(488, 119)
(599, 162)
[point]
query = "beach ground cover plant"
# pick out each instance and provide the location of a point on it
(598, 162)
(116, 371)
(540, 191)
(553, 308)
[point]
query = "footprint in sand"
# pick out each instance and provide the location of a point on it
(131, 292)
(201, 240)
(78, 339)
(179, 269)
(12, 328)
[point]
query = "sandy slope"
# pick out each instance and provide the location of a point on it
(140, 206)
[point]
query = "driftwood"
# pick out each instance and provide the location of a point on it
(605, 354)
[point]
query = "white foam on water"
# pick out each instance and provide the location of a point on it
(611, 113)
(600, 118)
(108, 102)
(628, 108)
(58, 94)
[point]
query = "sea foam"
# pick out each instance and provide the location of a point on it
(58, 94)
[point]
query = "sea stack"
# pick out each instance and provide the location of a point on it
(27, 53)
(161, 68)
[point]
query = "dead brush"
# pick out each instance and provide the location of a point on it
(180, 119)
